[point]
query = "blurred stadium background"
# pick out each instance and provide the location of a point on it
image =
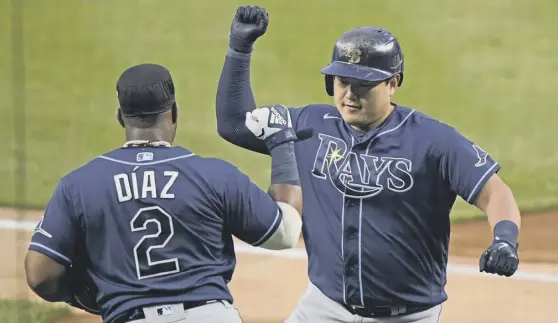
(486, 67)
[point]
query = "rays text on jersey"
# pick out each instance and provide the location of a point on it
(360, 175)
(144, 184)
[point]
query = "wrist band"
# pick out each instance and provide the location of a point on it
(506, 230)
(280, 137)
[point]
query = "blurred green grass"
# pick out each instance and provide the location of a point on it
(487, 68)
(12, 311)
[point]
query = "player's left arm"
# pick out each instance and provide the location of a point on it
(496, 200)
(52, 246)
(473, 174)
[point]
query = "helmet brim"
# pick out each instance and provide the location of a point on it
(359, 72)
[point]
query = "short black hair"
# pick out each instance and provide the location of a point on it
(143, 121)
(146, 120)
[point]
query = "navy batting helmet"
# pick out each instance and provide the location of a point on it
(365, 53)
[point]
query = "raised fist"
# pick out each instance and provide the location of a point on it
(249, 23)
(273, 125)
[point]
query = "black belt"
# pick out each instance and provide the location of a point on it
(386, 311)
(137, 313)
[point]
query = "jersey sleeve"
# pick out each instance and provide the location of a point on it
(55, 234)
(250, 214)
(465, 165)
(295, 116)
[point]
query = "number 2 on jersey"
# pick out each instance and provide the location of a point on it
(145, 267)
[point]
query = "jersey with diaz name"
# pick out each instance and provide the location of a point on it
(155, 225)
(377, 204)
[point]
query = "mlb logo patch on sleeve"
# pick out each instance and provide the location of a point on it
(144, 156)
(164, 310)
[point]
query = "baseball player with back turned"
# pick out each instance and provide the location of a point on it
(143, 233)
(378, 179)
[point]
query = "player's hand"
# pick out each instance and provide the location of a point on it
(267, 120)
(82, 287)
(85, 301)
(500, 258)
(249, 23)
(273, 125)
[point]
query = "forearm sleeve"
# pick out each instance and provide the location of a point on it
(234, 99)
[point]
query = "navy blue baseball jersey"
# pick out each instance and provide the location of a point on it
(376, 205)
(155, 225)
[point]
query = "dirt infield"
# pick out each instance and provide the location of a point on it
(267, 287)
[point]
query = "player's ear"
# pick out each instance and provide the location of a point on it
(119, 117)
(393, 84)
(174, 113)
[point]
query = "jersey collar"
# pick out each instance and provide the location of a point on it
(361, 136)
(146, 143)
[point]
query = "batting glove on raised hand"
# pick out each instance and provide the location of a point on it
(273, 125)
(249, 24)
(500, 258)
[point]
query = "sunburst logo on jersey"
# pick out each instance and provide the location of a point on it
(334, 156)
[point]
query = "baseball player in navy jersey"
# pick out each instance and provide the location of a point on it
(379, 181)
(143, 233)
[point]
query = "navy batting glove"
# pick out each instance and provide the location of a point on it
(500, 258)
(249, 24)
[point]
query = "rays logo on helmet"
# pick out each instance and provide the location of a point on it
(349, 52)
(354, 56)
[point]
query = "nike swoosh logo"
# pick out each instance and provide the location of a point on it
(327, 116)
(502, 245)
(262, 134)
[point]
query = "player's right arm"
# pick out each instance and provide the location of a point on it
(279, 210)
(267, 220)
(234, 93)
(52, 246)
(53, 266)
